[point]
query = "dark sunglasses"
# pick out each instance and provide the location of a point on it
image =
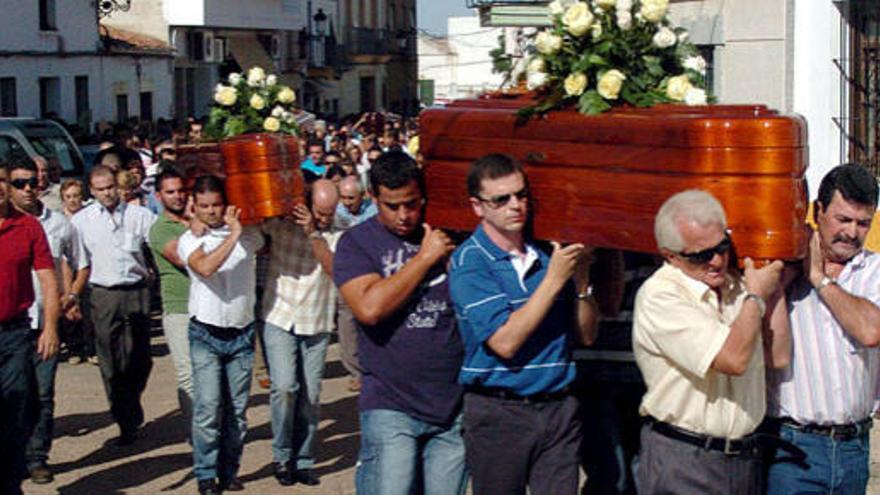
(21, 183)
(502, 199)
(706, 255)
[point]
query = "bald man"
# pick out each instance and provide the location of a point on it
(299, 307)
(353, 206)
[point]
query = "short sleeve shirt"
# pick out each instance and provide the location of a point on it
(174, 282)
(65, 245)
(24, 247)
(679, 327)
(410, 359)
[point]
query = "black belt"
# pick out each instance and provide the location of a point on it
(136, 285)
(843, 432)
(17, 322)
(502, 393)
(745, 445)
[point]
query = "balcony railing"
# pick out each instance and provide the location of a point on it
(368, 41)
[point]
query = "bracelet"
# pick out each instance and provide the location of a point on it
(583, 296)
(825, 282)
(762, 306)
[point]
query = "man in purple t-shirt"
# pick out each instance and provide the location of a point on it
(391, 271)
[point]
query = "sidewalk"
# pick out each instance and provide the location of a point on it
(161, 459)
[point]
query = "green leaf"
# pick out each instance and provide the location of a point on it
(234, 127)
(592, 103)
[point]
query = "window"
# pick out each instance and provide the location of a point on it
(708, 54)
(863, 85)
(121, 108)
(8, 97)
(81, 91)
(147, 105)
(50, 96)
(47, 15)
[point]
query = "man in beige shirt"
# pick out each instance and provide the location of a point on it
(698, 333)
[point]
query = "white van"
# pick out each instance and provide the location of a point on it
(37, 137)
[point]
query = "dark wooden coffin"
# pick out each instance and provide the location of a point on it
(262, 172)
(601, 179)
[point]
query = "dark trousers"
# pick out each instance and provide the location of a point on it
(17, 404)
(668, 466)
(511, 444)
(611, 429)
(41, 438)
(122, 342)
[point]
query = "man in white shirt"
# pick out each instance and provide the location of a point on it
(114, 235)
(821, 403)
(299, 309)
(221, 265)
(701, 337)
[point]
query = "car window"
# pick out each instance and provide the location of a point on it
(56, 148)
(8, 147)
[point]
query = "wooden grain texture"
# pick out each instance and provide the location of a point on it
(600, 180)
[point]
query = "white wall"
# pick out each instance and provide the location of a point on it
(252, 14)
(75, 19)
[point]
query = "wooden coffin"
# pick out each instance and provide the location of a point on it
(262, 172)
(601, 179)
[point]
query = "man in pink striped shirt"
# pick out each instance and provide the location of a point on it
(821, 403)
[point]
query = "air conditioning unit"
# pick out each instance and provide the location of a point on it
(208, 50)
(275, 47)
(219, 49)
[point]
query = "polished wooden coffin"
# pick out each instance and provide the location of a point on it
(262, 172)
(601, 179)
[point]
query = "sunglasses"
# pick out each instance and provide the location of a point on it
(21, 183)
(706, 255)
(502, 199)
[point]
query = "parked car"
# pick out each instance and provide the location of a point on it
(38, 137)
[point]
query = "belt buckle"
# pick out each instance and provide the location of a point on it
(728, 449)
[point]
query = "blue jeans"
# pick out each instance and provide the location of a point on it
(296, 368)
(832, 466)
(41, 439)
(393, 447)
(222, 361)
(17, 405)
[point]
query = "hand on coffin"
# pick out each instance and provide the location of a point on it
(303, 217)
(564, 260)
(763, 281)
(435, 244)
(233, 213)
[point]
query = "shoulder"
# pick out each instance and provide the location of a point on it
(471, 254)
(355, 236)
(82, 216)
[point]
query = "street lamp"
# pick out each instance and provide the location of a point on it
(317, 39)
(320, 23)
(107, 7)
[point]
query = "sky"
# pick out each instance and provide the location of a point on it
(432, 14)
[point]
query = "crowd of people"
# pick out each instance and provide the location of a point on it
(487, 358)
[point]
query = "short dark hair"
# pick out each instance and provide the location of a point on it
(113, 150)
(394, 170)
(209, 184)
(335, 170)
(492, 166)
(315, 142)
(19, 161)
(854, 182)
(167, 173)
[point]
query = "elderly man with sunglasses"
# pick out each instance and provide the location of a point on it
(702, 336)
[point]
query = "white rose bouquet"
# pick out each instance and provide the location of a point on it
(604, 53)
(251, 102)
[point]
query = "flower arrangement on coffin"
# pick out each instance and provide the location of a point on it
(251, 103)
(604, 53)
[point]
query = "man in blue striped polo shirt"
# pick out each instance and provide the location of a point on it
(519, 310)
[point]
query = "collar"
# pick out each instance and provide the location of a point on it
(697, 288)
(120, 208)
(14, 218)
(44, 214)
(494, 251)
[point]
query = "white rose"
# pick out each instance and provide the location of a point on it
(271, 80)
(234, 78)
(256, 76)
(578, 19)
(665, 38)
(610, 83)
(548, 43)
(606, 4)
(257, 102)
(272, 124)
(286, 95)
(287, 117)
(536, 79)
(695, 63)
(536, 65)
(277, 112)
(624, 5)
(654, 10)
(695, 96)
(624, 19)
(597, 30)
(677, 87)
(575, 84)
(226, 96)
(558, 7)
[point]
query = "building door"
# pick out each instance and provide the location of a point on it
(368, 94)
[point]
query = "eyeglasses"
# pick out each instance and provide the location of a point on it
(502, 199)
(706, 255)
(21, 183)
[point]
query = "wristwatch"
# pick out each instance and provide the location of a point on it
(583, 296)
(762, 306)
(825, 282)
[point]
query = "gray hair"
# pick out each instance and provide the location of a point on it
(692, 205)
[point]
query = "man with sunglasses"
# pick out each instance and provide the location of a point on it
(23, 249)
(702, 337)
(520, 310)
(65, 248)
(822, 402)
(391, 270)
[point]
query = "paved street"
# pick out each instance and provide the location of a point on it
(161, 460)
